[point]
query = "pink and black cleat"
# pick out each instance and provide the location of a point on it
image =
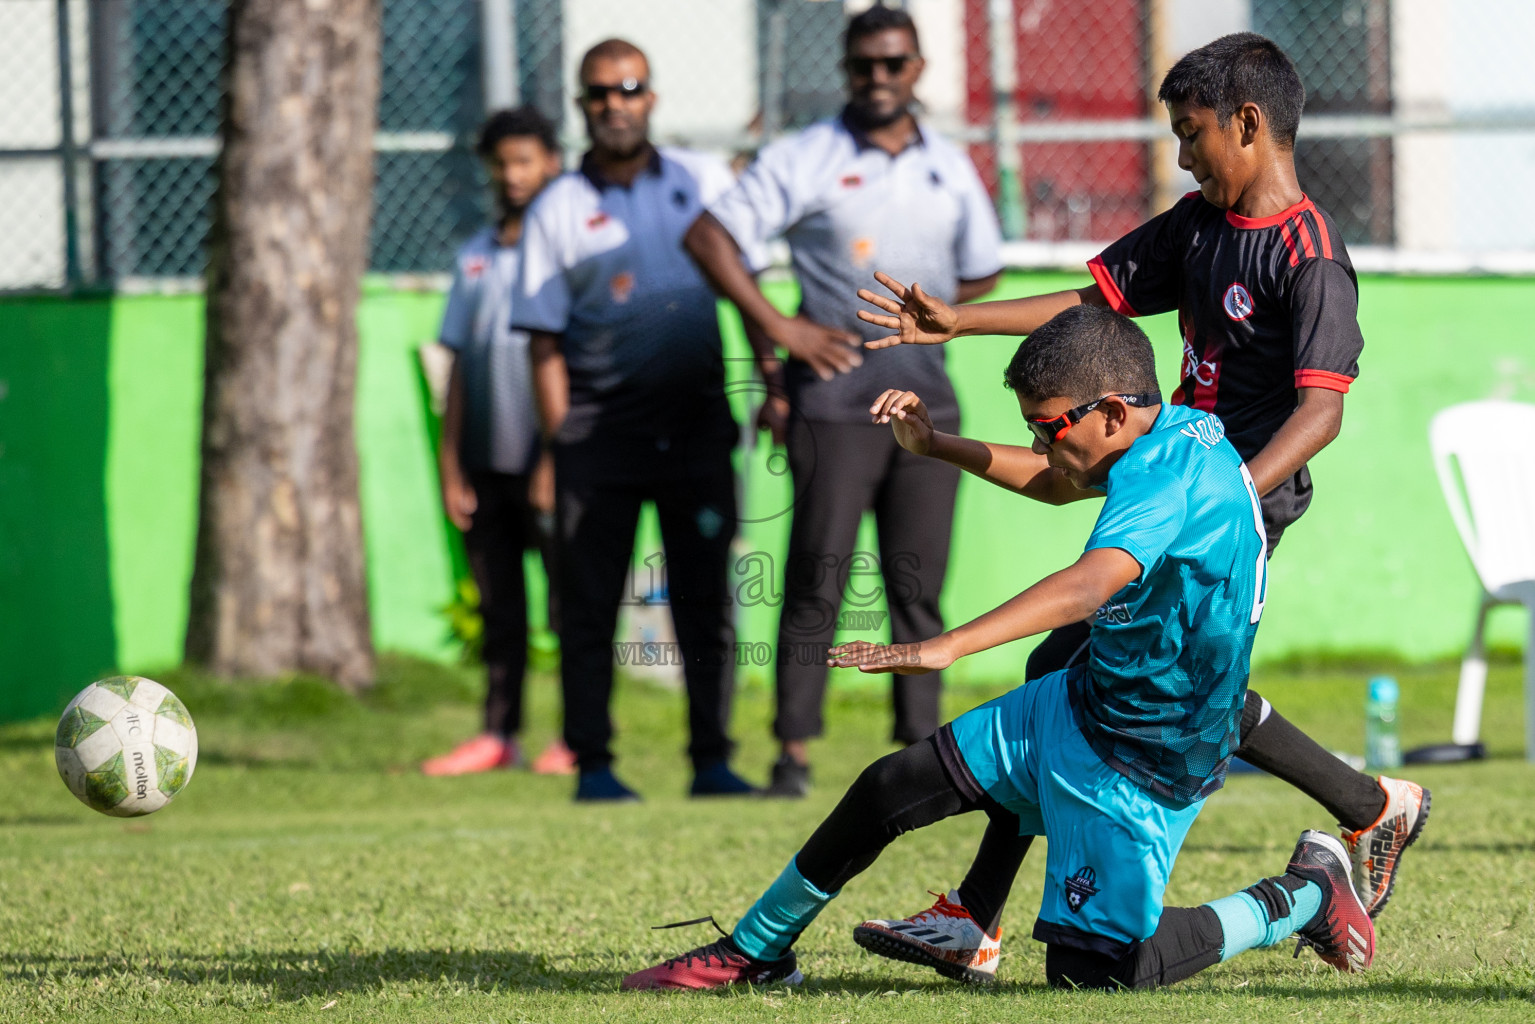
(716, 965)
(1341, 933)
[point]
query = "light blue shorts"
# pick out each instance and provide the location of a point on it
(1111, 843)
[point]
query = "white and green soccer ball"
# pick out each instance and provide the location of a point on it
(126, 746)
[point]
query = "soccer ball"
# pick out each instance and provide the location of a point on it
(125, 746)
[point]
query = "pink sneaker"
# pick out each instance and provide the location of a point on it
(556, 759)
(482, 754)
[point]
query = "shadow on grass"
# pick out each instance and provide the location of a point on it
(292, 974)
(295, 975)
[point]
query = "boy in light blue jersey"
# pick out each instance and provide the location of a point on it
(1112, 760)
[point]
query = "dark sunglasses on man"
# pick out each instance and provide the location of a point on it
(628, 89)
(1052, 430)
(863, 67)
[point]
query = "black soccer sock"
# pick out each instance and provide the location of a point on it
(1187, 940)
(986, 886)
(1270, 742)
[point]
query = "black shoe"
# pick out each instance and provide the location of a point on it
(600, 785)
(790, 780)
(716, 779)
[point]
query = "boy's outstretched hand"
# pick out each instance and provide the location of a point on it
(908, 417)
(917, 317)
(905, 659)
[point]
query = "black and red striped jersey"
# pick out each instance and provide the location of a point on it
(1265, 306)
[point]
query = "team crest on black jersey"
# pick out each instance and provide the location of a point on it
(1079, 888)
(1238, 303)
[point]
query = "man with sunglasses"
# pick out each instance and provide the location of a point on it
(629, 377)
(869, 187)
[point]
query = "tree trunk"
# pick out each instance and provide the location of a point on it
(279, 581)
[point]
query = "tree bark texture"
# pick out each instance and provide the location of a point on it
(279, 582)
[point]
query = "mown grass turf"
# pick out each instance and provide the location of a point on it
(308, 873)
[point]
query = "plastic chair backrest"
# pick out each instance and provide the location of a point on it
(1484, 454)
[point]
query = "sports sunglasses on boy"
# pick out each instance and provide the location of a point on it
(1052, 430)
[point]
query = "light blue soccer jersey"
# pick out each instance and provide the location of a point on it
(1162, 699)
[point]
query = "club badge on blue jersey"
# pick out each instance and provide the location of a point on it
(1080, 888)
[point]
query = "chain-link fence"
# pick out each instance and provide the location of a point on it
(1419, 134)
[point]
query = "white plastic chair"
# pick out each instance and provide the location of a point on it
(1484, 453)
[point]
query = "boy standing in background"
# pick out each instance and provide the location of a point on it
(496, 479)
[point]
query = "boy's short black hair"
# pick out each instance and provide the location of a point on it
(521, 121)
(1083, 353)
(1243, 67)
(880, 18)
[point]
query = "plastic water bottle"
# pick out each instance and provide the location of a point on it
(1382, 745)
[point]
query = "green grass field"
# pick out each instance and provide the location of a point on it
(309, 873)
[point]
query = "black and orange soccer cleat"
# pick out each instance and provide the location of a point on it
(1341, 932)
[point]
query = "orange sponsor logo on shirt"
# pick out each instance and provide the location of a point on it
(621, 286)
(862, 250)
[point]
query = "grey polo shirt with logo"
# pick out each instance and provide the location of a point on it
(500, 430)
(848, 208)
(603, 267)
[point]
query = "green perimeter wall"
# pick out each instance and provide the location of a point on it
(99, 403)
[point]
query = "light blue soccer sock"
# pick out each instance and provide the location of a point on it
(1248, 922)
(776, 919)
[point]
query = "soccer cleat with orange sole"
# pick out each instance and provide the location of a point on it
(944, 937)
(1376, 850)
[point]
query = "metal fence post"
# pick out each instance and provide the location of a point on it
(774, 68)
(67, 150)
(498, 53)
(1013, 211)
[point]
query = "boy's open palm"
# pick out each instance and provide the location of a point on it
(917, 317)
(908, 417)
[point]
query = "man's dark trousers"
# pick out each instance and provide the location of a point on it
(840, 470)
(504, 525)
(600, 485)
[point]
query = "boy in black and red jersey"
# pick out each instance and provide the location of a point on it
(1267, 301)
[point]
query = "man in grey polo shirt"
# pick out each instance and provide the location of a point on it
(629, 375)
(868, 188)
